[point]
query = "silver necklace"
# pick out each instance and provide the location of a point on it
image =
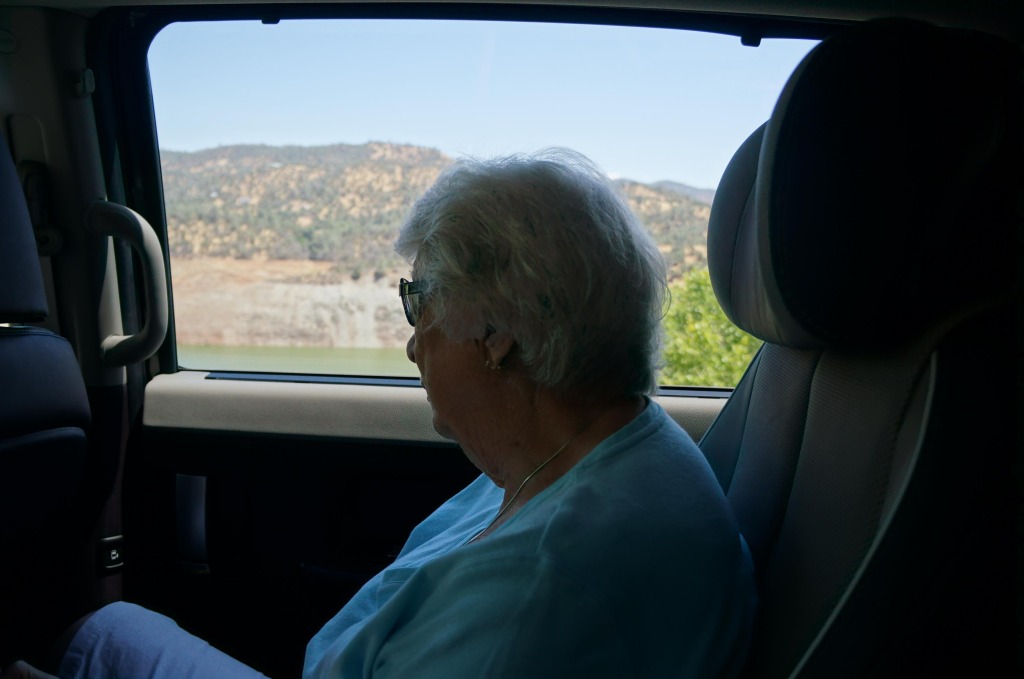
(529, 476)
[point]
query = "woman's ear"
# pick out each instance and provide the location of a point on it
(497, 346)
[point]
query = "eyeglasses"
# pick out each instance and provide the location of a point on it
(411, 304)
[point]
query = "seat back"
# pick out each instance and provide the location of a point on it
(867, 233)
(44, 452)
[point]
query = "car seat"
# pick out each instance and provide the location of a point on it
(44, 448)
(869, 234)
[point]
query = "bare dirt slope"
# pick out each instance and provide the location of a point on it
(252, 302)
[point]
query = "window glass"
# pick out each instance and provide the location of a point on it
(291, 152)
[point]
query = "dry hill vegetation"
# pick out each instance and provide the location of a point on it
(343, 204)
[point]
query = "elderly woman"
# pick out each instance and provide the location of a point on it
(596, 542)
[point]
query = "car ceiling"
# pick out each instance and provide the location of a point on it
(1002, 17)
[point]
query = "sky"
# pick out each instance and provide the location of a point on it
(644, 104)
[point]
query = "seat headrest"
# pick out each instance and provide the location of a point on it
(881, 193)
(22, 296)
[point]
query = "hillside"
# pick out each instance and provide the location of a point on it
(343, 204)
(700, 195)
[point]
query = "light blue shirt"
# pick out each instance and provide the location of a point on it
(629, 565)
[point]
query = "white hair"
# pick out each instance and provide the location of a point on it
(544, 247)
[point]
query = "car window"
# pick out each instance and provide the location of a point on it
(291, 152)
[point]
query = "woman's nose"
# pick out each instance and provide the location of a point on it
(410, 348)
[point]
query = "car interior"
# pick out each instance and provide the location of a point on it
(869, 232)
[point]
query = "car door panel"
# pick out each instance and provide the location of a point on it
(258, 507)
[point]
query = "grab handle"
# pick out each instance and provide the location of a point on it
(109, 219)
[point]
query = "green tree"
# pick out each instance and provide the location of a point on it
(702, 346)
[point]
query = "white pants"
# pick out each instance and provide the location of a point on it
(125, 641)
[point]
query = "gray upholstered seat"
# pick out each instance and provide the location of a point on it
(44, 452)
(867, 233)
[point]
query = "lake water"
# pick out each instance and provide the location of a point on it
(302, 360)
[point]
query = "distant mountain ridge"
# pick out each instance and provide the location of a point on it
(344, 204)
(700, 195)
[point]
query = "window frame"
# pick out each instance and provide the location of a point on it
(119, 42)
